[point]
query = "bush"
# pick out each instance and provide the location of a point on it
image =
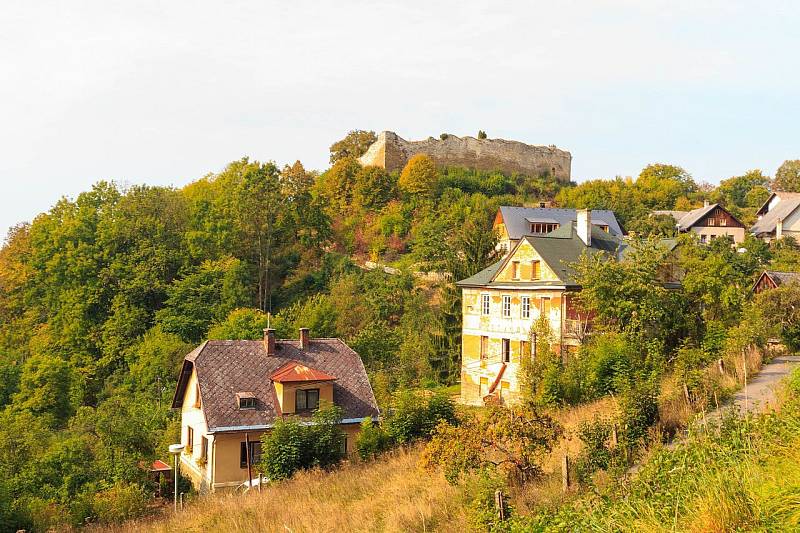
(419, 176)
(415, 415)
(293, 446)
(121, 502)
(596, 453)
(372, 440)
(638, 407)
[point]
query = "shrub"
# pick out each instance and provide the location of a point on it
(481, 134)
(121, 502)
(415, 415)
(638, 407)
(293, 446)
(372, 440)
(596, 453)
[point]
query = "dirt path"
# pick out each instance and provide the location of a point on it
(760, 394)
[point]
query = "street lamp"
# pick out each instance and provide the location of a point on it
(175, 450)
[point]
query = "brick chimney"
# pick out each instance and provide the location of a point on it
(269, 341)
(584, 226)
(305, 338)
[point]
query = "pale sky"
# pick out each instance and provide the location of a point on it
(166, 92)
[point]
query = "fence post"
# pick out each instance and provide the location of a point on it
(565, 473)
(499, 503)
(721, 365)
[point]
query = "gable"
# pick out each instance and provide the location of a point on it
(522, 259)
(718, 217)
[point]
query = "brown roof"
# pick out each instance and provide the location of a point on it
(225, 368)
(294, 372)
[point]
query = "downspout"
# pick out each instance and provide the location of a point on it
(561, 319)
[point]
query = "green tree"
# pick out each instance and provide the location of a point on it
(481, 134)
(44, 389)
(419, 176)
(787, 178)
(203, 296)
(245, 323)
(373, 188)
(511, 440)
(354, 145)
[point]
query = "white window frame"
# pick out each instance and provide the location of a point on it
(525, 307)
(506, 309)
(485, 303)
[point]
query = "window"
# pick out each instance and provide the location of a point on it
(703, 238)
(542, 205)
(524, 350)
(307, 399)
(484, 304)
(712, 222)
(247, 402)
(484, 347)
(506, 350)
(603, 227)
(536, 270)
(546, 306)
(506, 305)
(514, 269)
(189, 438)
(196, 403)
(543, 227)
(204, 448)
(505, 387)
(255, 454)
(343, 447)
(723, 221)
(525, 307)
(484, 387)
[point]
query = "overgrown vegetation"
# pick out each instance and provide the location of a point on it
(103, 295)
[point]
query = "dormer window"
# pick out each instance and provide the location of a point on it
(543, 227)
(307, 399)
(246, 400)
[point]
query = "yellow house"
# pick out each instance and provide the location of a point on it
(230, 393)
(501, 304)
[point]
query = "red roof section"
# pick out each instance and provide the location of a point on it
(293, 372)
(159, 466)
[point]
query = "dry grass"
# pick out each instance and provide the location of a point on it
(391, 494)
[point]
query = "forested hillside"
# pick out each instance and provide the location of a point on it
(103, 295)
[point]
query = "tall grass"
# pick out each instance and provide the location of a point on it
(389, 494)
(741, 476)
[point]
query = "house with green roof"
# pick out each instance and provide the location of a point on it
(501, 304)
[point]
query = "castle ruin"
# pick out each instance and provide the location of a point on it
(392, 152)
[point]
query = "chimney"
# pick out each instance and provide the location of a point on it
(705, 203)
(305, 339)
(779, 229)
(269, 341)
(584, 226)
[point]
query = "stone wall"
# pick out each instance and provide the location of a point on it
(392, 152)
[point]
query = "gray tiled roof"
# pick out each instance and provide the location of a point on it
(789, 202)
(227, 367)
(518, 219)
(559, 249)
(783, 277)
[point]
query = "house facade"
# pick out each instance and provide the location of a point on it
(709, 222)
(231, 393)
(772, 279)
(501, 304)
(778, 217)
(511, 224)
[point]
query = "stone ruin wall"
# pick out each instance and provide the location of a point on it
(392, 152)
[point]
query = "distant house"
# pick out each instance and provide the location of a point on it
(231, 393)
(778, 217)
(771, 279)
(513, 223)
(709, 222)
